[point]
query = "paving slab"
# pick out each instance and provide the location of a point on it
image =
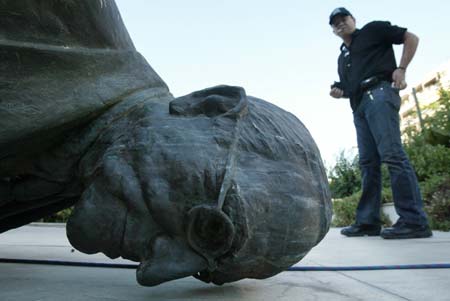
(23, 282)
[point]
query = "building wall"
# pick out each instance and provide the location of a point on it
(427, 92)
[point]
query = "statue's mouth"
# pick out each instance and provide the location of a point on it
(210, 234)
(170, 259)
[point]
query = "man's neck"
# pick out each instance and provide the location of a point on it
(348, 38)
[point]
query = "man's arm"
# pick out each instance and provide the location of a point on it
(410, 43)
(338, 89)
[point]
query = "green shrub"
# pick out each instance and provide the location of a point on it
(344, 177)
(59, 217)
(437, 206)
(438, 124)
(432, 185)
(429, 152)
(386, 195)
(428, 160)
(345, 211)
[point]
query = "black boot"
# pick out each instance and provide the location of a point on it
(403, 230)
(361, 230)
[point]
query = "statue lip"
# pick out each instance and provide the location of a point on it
(170, 259)
(210, 234)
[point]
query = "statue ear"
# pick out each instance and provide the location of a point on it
(227, 101)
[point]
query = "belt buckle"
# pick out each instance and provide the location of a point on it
(369, 83)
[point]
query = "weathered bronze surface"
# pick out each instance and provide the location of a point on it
(215, 184)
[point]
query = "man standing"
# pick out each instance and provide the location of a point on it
(369, 76)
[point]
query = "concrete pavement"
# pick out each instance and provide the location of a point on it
(25, 282)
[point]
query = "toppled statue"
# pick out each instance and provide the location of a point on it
(215, 184)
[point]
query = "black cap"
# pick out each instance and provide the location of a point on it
(339, 11)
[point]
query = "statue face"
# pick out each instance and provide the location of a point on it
(197, 187)
(158, 165)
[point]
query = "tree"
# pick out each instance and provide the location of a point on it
(345, 176)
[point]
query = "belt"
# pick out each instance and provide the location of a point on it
(371, 82)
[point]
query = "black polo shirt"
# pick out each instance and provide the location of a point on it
(369, 54)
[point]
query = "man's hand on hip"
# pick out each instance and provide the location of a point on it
(336, 93)
(398, 77)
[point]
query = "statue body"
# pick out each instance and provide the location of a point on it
(215, 184)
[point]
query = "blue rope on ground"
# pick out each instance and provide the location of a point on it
(70, 263)
(291, 269)
(370, 267)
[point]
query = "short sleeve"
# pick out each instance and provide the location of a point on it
(392, 34)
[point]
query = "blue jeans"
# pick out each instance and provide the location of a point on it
(378, 135)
